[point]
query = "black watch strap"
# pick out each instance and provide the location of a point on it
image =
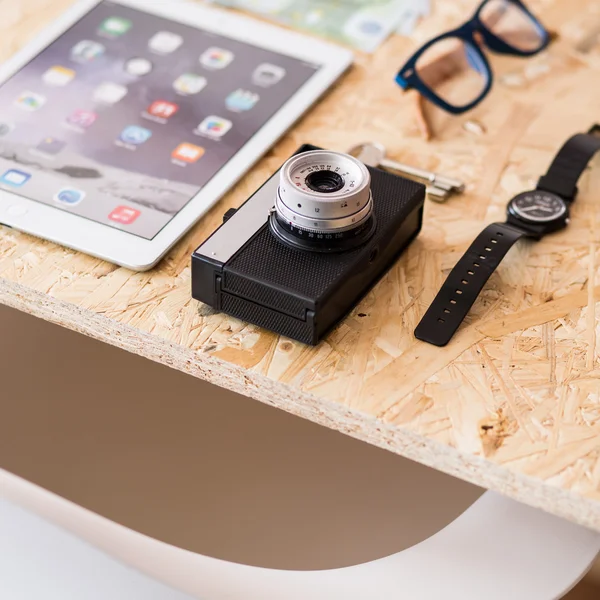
(464, 283)
(472, 271)
(569, 164)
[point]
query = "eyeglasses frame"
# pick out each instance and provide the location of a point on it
(408, 77)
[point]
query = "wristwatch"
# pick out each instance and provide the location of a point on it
(531, 215)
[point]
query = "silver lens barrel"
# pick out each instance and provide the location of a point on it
(324, 225)
(324, 191)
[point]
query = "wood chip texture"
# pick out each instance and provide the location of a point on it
(513, 403)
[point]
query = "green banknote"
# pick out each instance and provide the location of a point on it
(362, 24)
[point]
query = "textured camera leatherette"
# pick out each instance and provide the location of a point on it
(246, 288)
(265, 261)
(264, 317)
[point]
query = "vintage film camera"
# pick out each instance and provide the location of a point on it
(306, 246)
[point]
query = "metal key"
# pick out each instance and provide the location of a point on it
(372, 154)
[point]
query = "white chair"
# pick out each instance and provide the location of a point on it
(497, 549)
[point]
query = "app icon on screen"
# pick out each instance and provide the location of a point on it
(5, 128)
(51, 145)
(58, 76)
(86, 51)
(138, 67)
(216, 58)
(109, 93)
(15, 178)
(165, 42)
(214, 127)
(162, 109)
(30, 101)
(70, 196)
(189, 84)
(124, 215)
(188, 153)
(135, 135)
(82, 118)
(267, 75)
(241, 100)
(114, 27)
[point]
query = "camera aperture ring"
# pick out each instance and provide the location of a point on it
(319, 241)
(323, 225)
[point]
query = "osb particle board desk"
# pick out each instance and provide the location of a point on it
(513, 403)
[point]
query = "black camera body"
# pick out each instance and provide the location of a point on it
(245, 270)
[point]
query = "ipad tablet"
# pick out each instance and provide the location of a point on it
(126, 120)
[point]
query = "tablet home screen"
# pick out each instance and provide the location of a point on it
(126, 116)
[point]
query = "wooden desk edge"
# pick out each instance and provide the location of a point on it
(473, 469)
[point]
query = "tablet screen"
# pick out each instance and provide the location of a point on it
(126, 116)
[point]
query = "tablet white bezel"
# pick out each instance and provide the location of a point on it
(132, 251)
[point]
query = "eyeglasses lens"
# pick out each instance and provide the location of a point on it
(454, 70)
(509, 22)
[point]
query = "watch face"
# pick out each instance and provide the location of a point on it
(538, 206)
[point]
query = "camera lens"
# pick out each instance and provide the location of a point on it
(325, 182)
(323, 202)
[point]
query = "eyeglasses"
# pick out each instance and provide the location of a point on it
(453, 72)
